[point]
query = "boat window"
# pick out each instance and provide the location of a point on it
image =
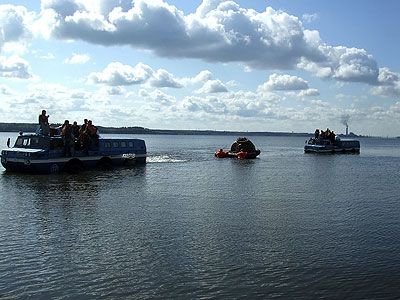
(34, 142)
(25, 142)
(115, 144)
(18, 142)
(123, 144)
(107, 144)
(130, 144)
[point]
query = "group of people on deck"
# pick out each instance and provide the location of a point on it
(327, 135)
(74, 137)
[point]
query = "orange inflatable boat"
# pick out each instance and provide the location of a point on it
(242, 148)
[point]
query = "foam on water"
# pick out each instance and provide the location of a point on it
(163, 159)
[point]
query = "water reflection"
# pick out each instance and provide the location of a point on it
(284, 225)
(63, 232)
(55, 198)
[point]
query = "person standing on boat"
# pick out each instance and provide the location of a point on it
(75, 130)
(83, 126)
(66, 133)
(332, 137)
(44, 123)
(93, 134)
(316, 134)
(75, 136)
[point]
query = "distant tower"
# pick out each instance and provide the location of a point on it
(347, 129)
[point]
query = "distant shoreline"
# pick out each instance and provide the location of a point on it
(31, 127)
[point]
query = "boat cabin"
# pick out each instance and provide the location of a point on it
(40, 153)
(319, 145)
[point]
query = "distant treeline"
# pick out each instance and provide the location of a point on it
(16, 127)
(29, 127)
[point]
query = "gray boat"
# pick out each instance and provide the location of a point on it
(314, 145)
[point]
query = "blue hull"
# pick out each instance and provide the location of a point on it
(70, 165)
(43, 154)
(326, 146)
(329, 149)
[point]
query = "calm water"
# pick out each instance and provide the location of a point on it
(187, 225)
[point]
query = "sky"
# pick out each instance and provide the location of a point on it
(278, 65)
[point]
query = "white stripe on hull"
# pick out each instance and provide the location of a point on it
(67, 159)
(331, 150)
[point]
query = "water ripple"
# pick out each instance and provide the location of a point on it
(187, 225)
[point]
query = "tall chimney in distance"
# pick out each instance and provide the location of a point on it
(345, 121)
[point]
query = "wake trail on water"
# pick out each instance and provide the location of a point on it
(163, 159)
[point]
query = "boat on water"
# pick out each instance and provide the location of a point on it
(320, 145)
(242, 148)
(36, 153)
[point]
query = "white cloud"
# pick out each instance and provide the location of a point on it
(388, 84)
(5, 90)
(116, 74)
(207, 6)
(343, 64)
(395, 109)
(162, 78)
(320, 103)
(212, 86)
(59, 101)
(355, 65)
(76, 59)
(232, 83)
(387, 77)
(219, 31)
(229, 107)
(15, 22)
(278, 82)
(309, 93)
(46, 24)
(208, 105)
(309, 18)
(104, 7)
(157, 97)
(45, 56)
(154, 107)
(14, 67)
(115, 91)
(201, 77)
(387, 90)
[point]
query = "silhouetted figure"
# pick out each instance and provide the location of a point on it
(44, 123)
(91, 130)
(83, 126)
(75, 130)
(316, 134)
(332, 137)
(66, 133)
